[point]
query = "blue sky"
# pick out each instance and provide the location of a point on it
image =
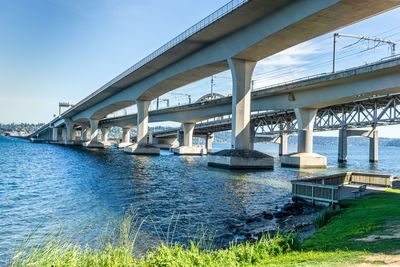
(63, 50)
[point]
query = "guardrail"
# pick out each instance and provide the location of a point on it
(226, 9)
(315, 192)
(371, 179)
(327, 189)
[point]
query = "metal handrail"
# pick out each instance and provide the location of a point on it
(218, 14)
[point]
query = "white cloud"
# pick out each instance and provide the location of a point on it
(288, 65)
(293, 56)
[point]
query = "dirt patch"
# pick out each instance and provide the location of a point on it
(391, 231)
(382, 260)
(372, 238)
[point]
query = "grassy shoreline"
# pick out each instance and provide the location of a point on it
(360, 229)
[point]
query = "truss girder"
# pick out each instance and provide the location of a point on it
(364, 113)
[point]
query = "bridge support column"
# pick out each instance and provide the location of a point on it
(55, 134)
(94, 130)
(188, 129)
(142, 147)
(126, 138)
(373, 146)
(241, 70)
(209, 140)
(283, 145)
(93, 141)
(84, 132)
(304, 158)
(63, 135)
(179, 137)
(70, 133)
(241, 156)
(104, 134)
(142, 121)
(252, 136)
(342, 145)
(373, 142)
(188, 148)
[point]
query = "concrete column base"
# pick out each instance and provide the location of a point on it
(73, 143)
(34, 140)
(189, 150)
(240, 159)
(56, 142)
(123, 145)
(94, 144)
(164, 146)
(142, 149)
(303, 160)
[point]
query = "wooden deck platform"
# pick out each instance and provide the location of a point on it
(328, 190)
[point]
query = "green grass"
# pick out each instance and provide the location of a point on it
(333, 244)
(392, 191)
(358, 219)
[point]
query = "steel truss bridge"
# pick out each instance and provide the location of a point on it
(371, 112)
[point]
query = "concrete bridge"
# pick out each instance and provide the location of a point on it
(276, 126)
(234, 37)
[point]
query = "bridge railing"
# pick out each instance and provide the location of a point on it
(224, 118)
(226, 9)
(315, 192)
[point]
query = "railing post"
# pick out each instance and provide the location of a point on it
(312, 194)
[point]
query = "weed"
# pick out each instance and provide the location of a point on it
(324, 217)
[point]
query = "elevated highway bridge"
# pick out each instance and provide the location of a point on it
(275, 126)
(234, 37)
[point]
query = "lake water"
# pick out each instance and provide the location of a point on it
(45, 187)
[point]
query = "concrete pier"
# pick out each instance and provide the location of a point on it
(342, 145)
(94, 130)
(304, 158)
(240, 159)
(241, 70)
(84, 132)
(208, 141)
(188, 148)
(142, 121)
(104, 136)
(373, 142)
(241, 156)
(93, 141)
(126, 138)
(142, 147)
(165, 142)
(283, 145)
(373, 146)
(188, 129)
(55, 134)
(69, 137)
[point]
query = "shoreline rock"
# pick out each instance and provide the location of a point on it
(292, 217)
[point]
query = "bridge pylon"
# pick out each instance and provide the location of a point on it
(241, 156)
(304, 157)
